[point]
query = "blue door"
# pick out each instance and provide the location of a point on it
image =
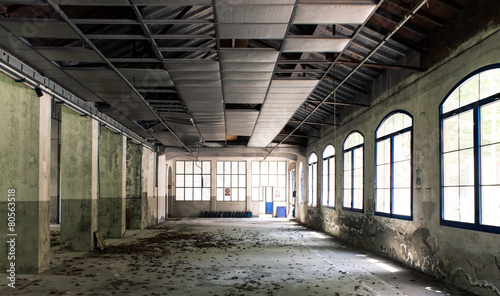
(269, 207)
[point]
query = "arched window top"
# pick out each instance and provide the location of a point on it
(313, 158)
(473, 89)
(328, 152)
(354, 139)
(393, 123)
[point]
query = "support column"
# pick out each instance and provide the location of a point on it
(111, 202)
(79, 144)
(148, 200)
(133, 186)
(25, 163)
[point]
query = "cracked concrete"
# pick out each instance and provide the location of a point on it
(226, 257)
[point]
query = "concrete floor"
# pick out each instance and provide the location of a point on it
(226, 256)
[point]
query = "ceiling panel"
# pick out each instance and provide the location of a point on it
(332, 14)
(252, 31)
(254, 14)
(40, 29)
(315, 45)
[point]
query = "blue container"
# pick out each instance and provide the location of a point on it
(280, 212)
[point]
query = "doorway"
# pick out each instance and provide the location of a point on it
(266, 198)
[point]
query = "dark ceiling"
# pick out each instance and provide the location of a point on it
(230, 72)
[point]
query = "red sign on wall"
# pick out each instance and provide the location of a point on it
(227, 191)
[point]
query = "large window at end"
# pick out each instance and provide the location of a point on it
(231, 181)
(312, 185)
(328, 192)
(470, 153)
(192, 180)
(269, 174)
(393, 182)
(353, 172)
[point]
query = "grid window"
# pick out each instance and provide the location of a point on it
(393, 182)
(328, 192)
(353, 172)
(312, 173)
(269, 174)
(231, 181)
(470, 153)
(192, 180)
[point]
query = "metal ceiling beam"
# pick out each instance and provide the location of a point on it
(410, 28)
(145, 21)
(65, 17)
(421, 14)
(339, 103)
(142, 37)
(365, 59)
(393, 67)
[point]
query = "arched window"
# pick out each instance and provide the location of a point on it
(393, 156)
(470, 153)
(353, 172)
(301, 183)
(312, 173)
(328, 196)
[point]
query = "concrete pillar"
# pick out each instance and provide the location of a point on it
(111, 201)
(25, 163)
(133, 186)
(79, 144)
(162, 186)
(148, 200)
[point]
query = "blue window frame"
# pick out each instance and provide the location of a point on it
(312, 184)
(393, 167)
(470, 152)
(328, 192)
(352, 193)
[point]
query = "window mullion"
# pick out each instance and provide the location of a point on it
(391, 185)
(352, 179)
(477, 166)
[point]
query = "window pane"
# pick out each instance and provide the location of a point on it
(220, 167)
(490, 205)
(384, 151)
(490, 165)
(179, 193)
(451, 205)
(383, 202)
(206, 194)
(188, 169)
(179, 167)
(220, 180)
(179, 180)
(227, 167)
(347, 179)
(188, 181)
(197, 167)
(467, 204)
(197, 181)
(358, 199)
(227, 181)
(264, 168)
(347, 160)
(402, 174)
(234, 194)
(466, 127)
(281, 167)
(384, 176)
(358, 178)
(273, 167)
(358, 158)
(490, 123)
(469, 92)
(197, 194)
(242, 168)
(273, 180)
(451, 169)
(450, 134)
(466, 167)
(489, 82)
(255, 180)
(347, 198)
(242, 194)
(220, 194)
(264, 181)
(234, 181)
(281, 181)
(206, 167)
(188, 194)
(206, 181)
(453, 102)
(255, 167)
(234, 167)
(402, 202)
(402, 147)
(242, 181)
